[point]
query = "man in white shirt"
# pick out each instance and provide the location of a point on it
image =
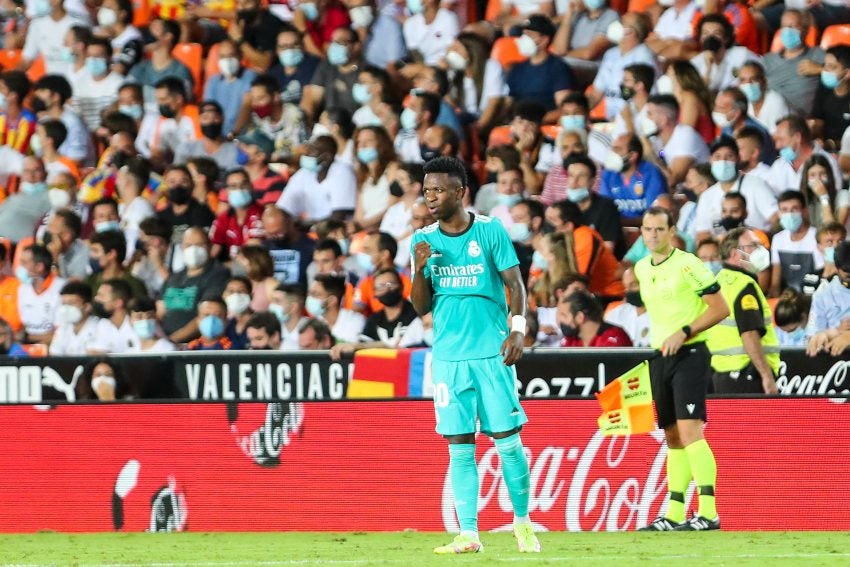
(287, 304)
(130, 182)
(38, 294)
(77, 328)
(795, 145)
(673, 30)
(631, 316)
(46, 37)
(98, 89)
(324, 302)
(720, 58)
(115, 333)
(671, 146)
(420, 114)
(762, 209)
(794, 251)
(749, 142)
(322, 187)
(765, 105)
(160, 134)
(430, 29)
(629, 35)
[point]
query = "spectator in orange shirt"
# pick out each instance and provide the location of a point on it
(592, 257)
(379, 250)
(9, 292)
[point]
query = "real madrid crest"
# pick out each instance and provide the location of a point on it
(474, 250)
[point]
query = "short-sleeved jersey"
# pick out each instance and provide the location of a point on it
(672, 293)
(469, 303)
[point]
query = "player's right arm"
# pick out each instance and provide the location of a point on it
(422, 294)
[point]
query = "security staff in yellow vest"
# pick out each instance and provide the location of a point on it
(744, 348)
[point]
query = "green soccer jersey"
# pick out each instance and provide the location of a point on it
(672, 293)
(470, 307)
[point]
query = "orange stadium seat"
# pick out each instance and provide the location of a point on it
(505, 51)
(37, 70)
(191, 55)
(811, 40)
(838, 34)
(211, 64)
(142, 14)
(9, 58)
(640, 5)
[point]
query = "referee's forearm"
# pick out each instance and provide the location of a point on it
(752, 346)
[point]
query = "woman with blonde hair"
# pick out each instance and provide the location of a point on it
(554, 260)
(256, 263)
(375, 156)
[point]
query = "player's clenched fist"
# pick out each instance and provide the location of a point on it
(421, 253)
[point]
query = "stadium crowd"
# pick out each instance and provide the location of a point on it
(215, 175)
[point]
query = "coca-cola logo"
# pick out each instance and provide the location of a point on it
(834, 381)
(611, 484)
(265, 444)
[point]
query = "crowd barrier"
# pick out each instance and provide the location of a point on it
(379, 466)
(299, 376)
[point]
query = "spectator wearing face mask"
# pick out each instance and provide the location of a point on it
(380, 31)
(708, 251)
(795, 144)
(790, 316)
(98, 88)
(130, 183)
(333, 81)
(77, 329)
(38, 294)
(49, 135)
(580, 319)
(829, 237)
(379, 252)
(672, 146)
(62, 239)
(263, 330)
(765, 105)
(730, 114)
(283, 122)
(509, 192)
(419, 115)
(237, 297)
(324, 301)
(115, 22)
(527, 220)
(630, 181)
(317, 20)
(212, 142)
(794, 251)
(293, 68)
(182, 292)
(288, 307)
(241, 222)
(829, 318)
(733, 214)
(162, 133)
(146, 327)
(21, 212)
(153, 254)
(228, 87)
(430, 29)
(375, 161)
(720, 57)
(631, 315)
(599, 213)
(162, 64)
(212, 313)
(103, 380)
(255, 149)
(398, 221)
(256, 264)
(115, 333)
(182, 211)
(290, 249)
(106, 262)
(569, 143)
(749, 142)
(826, 203)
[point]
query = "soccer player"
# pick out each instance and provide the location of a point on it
(461, 266)
(683, 300)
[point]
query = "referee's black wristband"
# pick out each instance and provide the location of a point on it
(687, 330)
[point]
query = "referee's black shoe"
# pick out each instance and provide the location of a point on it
(698, 524)
(660, 524)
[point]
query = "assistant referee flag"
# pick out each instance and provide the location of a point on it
(627, 403)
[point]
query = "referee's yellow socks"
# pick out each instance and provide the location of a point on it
(704, 469)
(678, 479)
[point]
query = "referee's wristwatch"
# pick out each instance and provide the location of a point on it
(687, 330)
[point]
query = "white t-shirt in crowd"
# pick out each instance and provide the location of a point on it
(348, 327)
(397, 222)
(761, 204)
(783, 177)
(782, 243)
(431, 40)
(91, 96)
(375, 196)
(723, 74)
(547, 316)
(115, 340)
(685, 142)
(38, 310)
(161, 345)
(307, 198)
(66, 342)
(762, 171)
(289, 339)
(610, 74)
(132, 215)
(406, 145)
(46, 37)
(492, 86)
(675, 24)
(636, 325)
(773, 109)
(164, 133)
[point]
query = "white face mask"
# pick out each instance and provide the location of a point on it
(229, 66)
(319, 129)
(759, 259)
(195, 256)
(614, 162)
(720, 119)
(526, 46)
(456, 61)
(70, 314)
(664, 85)
(647, 126)
(237, 303)
(98, 381)
(615, 32)
(59, 198)
(361, 16)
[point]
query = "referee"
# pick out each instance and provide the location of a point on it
(683, 300)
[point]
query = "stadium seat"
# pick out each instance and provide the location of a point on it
(838, 34)
(141, 13)
(37, 70)
(811, 40)
(494, 8)
(505, 51)
(9, 58)
(211, 64)
(191, 55)
(640, 5)
(500, 135)
(550, 131)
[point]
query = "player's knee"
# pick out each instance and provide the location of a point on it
(689, 431)
(671, 433)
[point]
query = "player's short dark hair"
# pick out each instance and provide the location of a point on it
(111, 240)
(792, 195)
(56, 131)
(583, 302)
(80, 289)
(569, 212)
(55, 84)
(642, 73)
(266, 321)
(329, 244)
(386, 242)
(452, 167)
(173, 85)
(583, 160)
(72, 220)
(735, 195)
(724, 142)
(40, 255)
(155, 226)
(142, 305)
(660, 211)
(334, 285)
(120, 289)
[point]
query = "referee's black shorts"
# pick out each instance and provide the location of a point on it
(680, 383)
(744, 381)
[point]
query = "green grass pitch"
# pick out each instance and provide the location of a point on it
(359, 549)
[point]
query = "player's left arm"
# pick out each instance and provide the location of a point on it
(512, 347)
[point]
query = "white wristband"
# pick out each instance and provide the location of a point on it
(824, 200)
(518, 324)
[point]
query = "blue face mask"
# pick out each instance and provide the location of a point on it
(788, 154)
(538, 260)
(367, 155)
(829, 254)
(239, 198)
(211, 327)
(790, 38)
(360, 93)
(408, 119)
(724, 171)
(241, 157)
(23, 275)
(134, 111)
(42, 8)
(714, 266)
(144, 328)
(829, 79)
(291, 57)
(578, 195)
(310, 163)
(797, 336)
(97, 66)
(791, 221)
(752, 91)
(415, 6)
(508, 200)
(337, 54)
(277, 311)
(594, 4)
(519, 232)
(94, 266)
(574, 122)
(311, 11)
(364, 261)
(106, 226)
(65, 54)
(315, 306)
(33, 188)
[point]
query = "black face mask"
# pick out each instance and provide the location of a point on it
(166, 111)
(728, 223)
(94, 264)
(141, 247)
(390, 298)
(689, 193)
(38, 105)
(396, 189)
(212, 131)
(712, 43)
(180, 194)
(100, 311)
(634, 298)
(428, 153)
(626, 92)
(569, 331)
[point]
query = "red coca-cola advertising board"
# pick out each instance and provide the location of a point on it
(342, 466)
